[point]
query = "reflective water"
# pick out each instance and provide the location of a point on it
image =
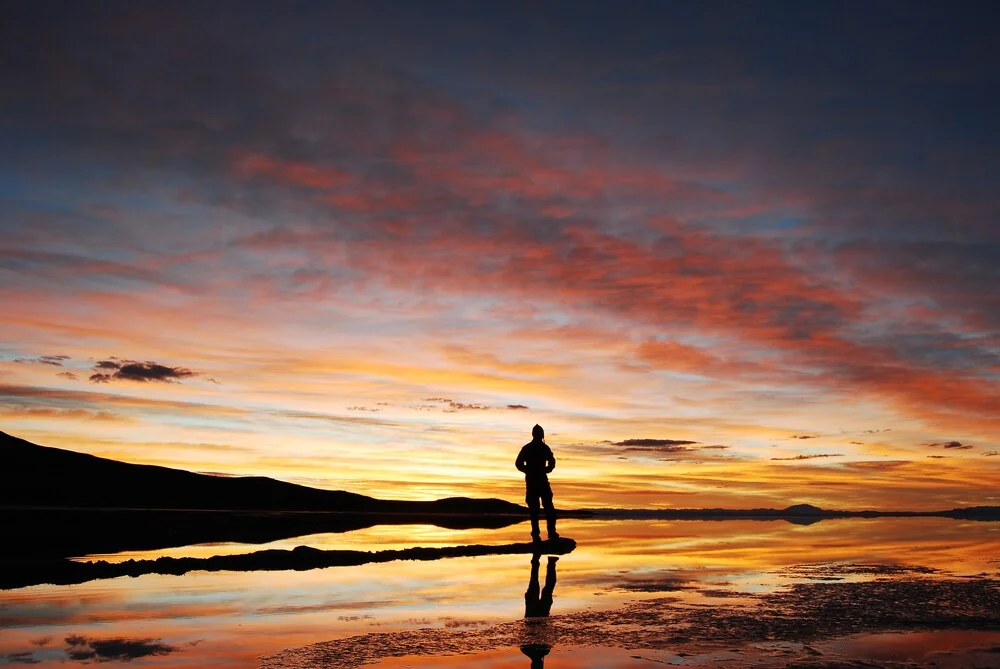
(472, 610)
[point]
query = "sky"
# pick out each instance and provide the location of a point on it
(726, 254)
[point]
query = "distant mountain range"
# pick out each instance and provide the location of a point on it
(803, 514)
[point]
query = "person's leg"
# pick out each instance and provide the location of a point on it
(550, 514)
(532, 501)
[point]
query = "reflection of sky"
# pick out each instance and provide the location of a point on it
(379, 537)
(227, 619)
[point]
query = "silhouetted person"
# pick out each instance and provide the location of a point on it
(536, 461)
(538, 604)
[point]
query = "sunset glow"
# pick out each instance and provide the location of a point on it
(720, 268)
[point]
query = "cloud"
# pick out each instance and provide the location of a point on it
(952, 445)
(82, 648)
(56, 399)
(516, 406)
(654, 445)
(811, 456)
(53, 360)
(693, 222)
(661, 445)
(991, 453)
(25, 657)
(938, 457)
(8, 410)
(462, 406)
(453, 406)
(327, 417)
(68, 375)
(876, 465)
(804, 436)
(106, 371)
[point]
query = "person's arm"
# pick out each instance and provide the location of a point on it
(520, 462)
(550, 462)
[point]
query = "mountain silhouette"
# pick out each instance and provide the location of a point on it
(41, 476)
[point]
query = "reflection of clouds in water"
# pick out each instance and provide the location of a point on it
(745, 557)
(642, 579)
(664, 582)
(108, 650)
(332, 605)
(802, 613)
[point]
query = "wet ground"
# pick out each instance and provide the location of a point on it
(806, 624)
(883, 593)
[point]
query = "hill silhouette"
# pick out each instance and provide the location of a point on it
(42, 476)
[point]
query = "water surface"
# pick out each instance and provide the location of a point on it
(633, 593)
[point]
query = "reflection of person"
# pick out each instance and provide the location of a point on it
(538, 604)
(537, 653)
(536, 461)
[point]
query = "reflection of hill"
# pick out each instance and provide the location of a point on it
(19, 574)
(55, 533)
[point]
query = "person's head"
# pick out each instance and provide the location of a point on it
(537, 432)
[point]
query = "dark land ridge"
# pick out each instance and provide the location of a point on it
(799, 513)
(41, 476)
